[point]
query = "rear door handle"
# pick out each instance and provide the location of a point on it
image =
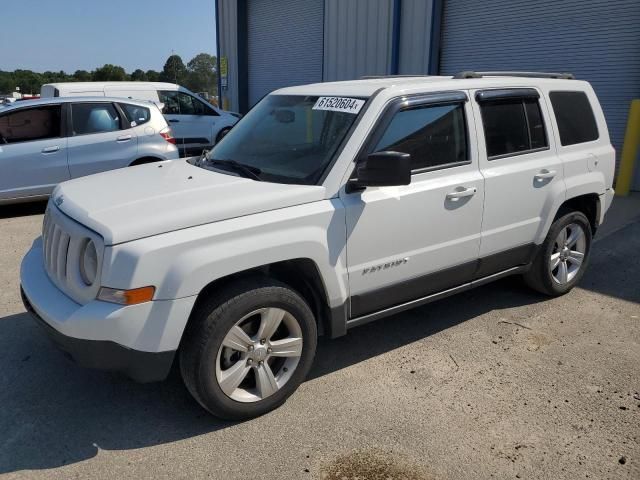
(123, 138)
(51, 149)
(545, 175)
(462, 192)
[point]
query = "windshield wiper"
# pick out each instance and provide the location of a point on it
(247, 170)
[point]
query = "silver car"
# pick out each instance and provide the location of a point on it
(45, 142)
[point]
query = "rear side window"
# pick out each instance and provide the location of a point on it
(136, 115)
(89, 118)
(31, 124)
(434, 135)
(574, 115)
(513, 126)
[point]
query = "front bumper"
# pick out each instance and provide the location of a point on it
(105, 355)
(139, 340)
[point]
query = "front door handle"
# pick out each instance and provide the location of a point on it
(123, 138)
(545, 174)
(173, 120)
(53, 149)
(461, 192)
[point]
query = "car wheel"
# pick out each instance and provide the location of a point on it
(222, 133)
(247, 349)
(563, 257)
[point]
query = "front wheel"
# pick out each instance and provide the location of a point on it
(563, 257)
(248, 349)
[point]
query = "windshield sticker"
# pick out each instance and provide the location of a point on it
(339, 104)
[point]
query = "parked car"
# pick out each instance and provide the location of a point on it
(328, 206)
(196, 124)
(45, 142)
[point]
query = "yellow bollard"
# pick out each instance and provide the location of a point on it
(629, 150)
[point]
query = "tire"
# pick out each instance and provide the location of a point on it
(568, 270)
(235, 315)
(222, 133)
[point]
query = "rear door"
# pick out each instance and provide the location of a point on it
(524, 177)
(33, 151)
(101, 138)
(191, 121)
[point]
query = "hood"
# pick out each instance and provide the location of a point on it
(136, 202)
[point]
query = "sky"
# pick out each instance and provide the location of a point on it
(75, 35)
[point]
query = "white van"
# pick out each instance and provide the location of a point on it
(196, 124)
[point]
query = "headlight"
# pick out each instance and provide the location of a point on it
(89, 263)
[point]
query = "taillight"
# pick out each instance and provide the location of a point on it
(167, 135)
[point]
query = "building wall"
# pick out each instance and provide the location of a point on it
(284, 44)
(597, 40)
(357, 38)
(416, 24)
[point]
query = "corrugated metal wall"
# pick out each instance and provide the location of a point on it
(284, 44)
(228, 11)
(357, 39)
(597, 40)
(415, 36)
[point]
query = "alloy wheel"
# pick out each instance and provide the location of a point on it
(259, 354)
(568, 253)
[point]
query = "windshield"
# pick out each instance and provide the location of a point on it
(288, 138)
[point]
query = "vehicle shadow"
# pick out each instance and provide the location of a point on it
(55, 413)
(23, 209)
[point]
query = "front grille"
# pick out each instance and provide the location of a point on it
(63, 240)
(55, 244)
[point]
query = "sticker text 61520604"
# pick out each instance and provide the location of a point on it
(339, 104)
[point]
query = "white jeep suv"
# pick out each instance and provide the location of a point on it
(326, 207)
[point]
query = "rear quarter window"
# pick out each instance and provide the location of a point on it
(574, 115)
(136, 115)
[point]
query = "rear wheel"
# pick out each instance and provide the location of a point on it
(563, 257)
(247, 350)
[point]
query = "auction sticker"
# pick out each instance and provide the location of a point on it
(339, 104)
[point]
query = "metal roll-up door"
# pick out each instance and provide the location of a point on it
(597, 40)
(285, 44)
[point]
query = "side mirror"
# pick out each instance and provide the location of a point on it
(384, 169)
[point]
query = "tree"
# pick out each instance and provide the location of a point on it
(202, 73)
(82, 76)
(109, 72)
(174, 70)
(152, 76)
(138, 75)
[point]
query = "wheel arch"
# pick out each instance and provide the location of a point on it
(303, 276)
(144, 160)
(589, 204)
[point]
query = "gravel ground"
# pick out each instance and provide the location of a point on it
(498, 382)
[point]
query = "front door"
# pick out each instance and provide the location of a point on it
(408, 242)
(33, 152)
(100, 139)
(524, 178)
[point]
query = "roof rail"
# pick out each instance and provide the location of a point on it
(472, 74)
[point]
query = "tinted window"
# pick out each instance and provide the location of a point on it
(433, 135)
(512, 125)
(94, 118)
(179, 103)
(136, 114)
(574, 115)
(30, 124)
